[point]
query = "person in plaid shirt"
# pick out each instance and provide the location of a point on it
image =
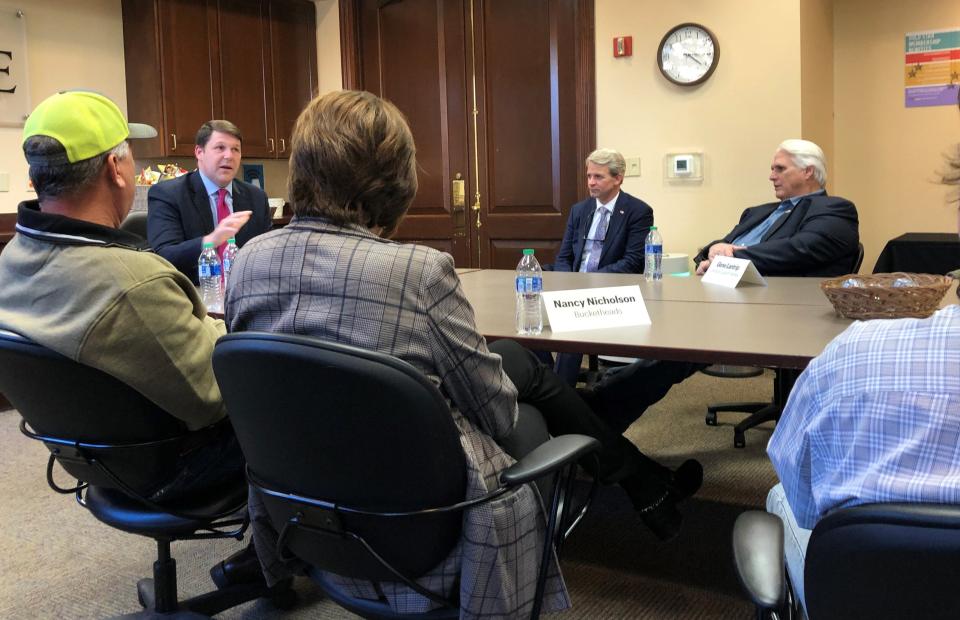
(333, 273)
(874, 418)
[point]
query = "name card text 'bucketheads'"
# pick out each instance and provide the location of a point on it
(595, 308)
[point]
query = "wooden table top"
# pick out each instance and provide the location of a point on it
(782, 325)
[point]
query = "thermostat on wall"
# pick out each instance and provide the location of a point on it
(684, 166)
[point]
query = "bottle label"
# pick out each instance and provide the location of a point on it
(653, 249)
(227, 263)
(215, 270)
(529, 284)
(204, 271)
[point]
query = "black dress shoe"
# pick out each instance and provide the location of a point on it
(663, 518)
(243, 567)
(686, 480)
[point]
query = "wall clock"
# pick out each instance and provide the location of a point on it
(688, 54)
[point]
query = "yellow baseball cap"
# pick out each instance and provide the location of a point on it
(86, 123)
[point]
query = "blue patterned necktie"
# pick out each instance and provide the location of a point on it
(755, 235)
(596, 244)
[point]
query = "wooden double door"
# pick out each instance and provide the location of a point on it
(499, 96)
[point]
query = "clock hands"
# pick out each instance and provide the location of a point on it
(693, 58)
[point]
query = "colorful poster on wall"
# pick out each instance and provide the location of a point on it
(931, 70)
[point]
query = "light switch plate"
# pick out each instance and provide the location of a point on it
(4, 181)
(633, 167)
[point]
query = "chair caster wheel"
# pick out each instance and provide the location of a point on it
(739, 441)
(711, 418)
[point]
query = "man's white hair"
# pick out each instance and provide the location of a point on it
(805, 153)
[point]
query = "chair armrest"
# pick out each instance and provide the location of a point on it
(758, 555)
(548, 457)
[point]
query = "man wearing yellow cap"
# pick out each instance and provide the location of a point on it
(75, 283)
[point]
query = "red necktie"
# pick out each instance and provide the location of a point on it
(223, 211)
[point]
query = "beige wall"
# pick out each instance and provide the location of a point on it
(75, 44)
(736, 118)
(887, 155)
(816, 77)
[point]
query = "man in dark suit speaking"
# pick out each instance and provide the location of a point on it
(605, 232)
(208, 204)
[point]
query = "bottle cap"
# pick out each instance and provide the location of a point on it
(653, 228)
(232, 240)
(207, 244)
(528, 251)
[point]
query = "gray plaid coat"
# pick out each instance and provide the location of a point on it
(348, 285)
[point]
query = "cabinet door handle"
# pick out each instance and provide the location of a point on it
(173, 136)
(270, 149)
(283, 145)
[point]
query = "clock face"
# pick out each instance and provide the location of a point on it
(688, 54)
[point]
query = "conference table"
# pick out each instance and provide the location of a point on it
(782, 325)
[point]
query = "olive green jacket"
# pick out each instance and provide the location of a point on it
(98, 296)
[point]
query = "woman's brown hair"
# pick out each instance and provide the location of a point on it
(353, 161)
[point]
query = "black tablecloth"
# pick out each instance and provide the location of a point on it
(920, 253)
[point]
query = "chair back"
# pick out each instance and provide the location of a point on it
(884, 561)
(327, 428)
(136, 223)
(858, 260)
(85, 416)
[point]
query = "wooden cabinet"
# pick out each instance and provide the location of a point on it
(252, 62)
(268, 55)
(293, 55)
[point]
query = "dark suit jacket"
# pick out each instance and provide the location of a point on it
(623, 247)
(818, 237)
(178, 216)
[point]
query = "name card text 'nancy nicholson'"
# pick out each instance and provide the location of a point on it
(595, 308)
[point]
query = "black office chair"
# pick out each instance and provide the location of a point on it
(118, 444)
(869, 561)
(760, 412)
(135, 222)
(360, 464)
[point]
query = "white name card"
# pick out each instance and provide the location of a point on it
(730, 272)
(595, 308)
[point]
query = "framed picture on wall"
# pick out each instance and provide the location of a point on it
(14, 88)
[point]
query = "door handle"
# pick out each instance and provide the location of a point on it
(174, 137)
(458, 202)
(283, 145)
(272, 144)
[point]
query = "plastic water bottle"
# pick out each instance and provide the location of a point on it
(211, 281)
(229, 255)
(653, 255)
(529, 287)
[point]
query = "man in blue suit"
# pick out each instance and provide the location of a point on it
(208, 204)
(605, 233)
(624, 225)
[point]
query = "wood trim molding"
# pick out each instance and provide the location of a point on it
(7, 223)
(586, 82)
(350, 44)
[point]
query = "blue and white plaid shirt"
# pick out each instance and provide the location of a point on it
(874, 418)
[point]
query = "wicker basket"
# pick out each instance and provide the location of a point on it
(878, 298)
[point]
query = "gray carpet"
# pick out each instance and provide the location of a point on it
(57, 561)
